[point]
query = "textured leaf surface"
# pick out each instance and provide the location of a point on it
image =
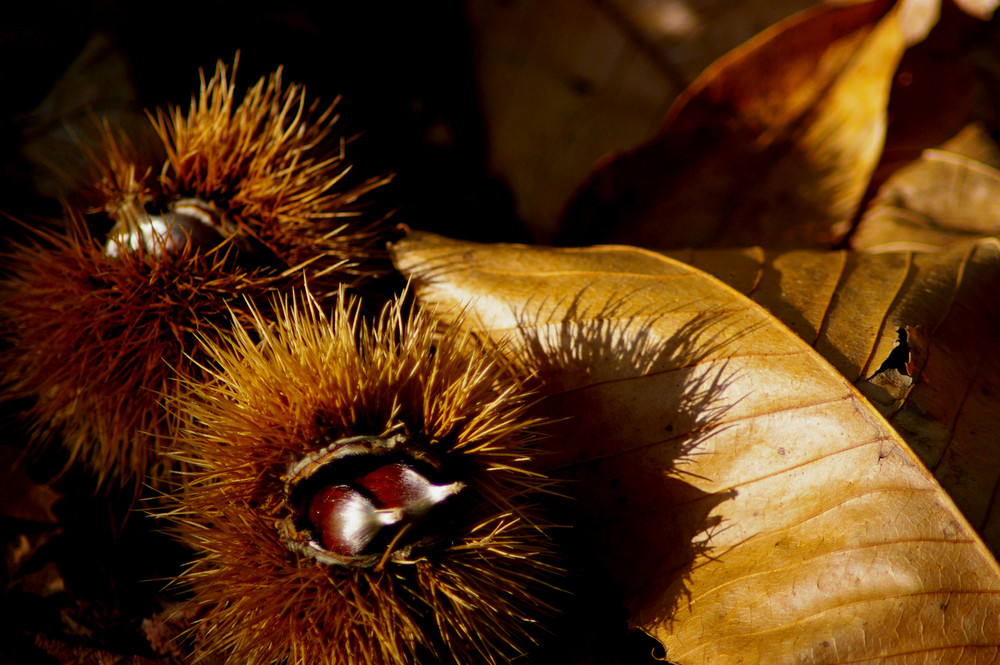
(915, 332)
(951, 195)
(752, 505)
(774, 144)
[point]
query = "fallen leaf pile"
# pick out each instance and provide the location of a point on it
(765, 345)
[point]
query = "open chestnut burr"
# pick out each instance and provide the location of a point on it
(362, 492)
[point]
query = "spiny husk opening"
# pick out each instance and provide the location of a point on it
(482, 592)
(388, 505)
(95, 336)
(274, 167)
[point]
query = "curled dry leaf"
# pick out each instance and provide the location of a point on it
(938, 89)
(915, 332)
(751, 503)
(950, 195)
(775, 143)
(564, 82)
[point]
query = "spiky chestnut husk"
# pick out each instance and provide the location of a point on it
(353, 410)
(96, 328)
(268, 167)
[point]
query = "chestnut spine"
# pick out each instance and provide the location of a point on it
(252, 199)
(421, 441)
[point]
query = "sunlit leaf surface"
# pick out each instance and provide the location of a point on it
(751, 503)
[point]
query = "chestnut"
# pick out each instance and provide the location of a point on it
(402, 487)
(346, 521)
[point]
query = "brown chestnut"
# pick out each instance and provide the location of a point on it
(187, 221)
(357, 501)
(402, 487)
(346, 521)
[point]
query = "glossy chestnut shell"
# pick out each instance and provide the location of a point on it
(187, 221)
(362, 500)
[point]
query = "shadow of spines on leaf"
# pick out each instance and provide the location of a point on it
(631, 403)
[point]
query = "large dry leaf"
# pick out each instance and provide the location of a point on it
(751, 503)
(564, 82)
(939, 88)
(915, 332)
(774, 144)
(949, 196)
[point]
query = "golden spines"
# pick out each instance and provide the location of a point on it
(423, 437)
(252, 199)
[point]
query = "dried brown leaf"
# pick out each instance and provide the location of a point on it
(951, 195)
(774, 144)
(938, 89)
(752, 504)
(915, 332)
(564, 82)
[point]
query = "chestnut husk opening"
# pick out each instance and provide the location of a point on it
(184, 222)
(342, 463)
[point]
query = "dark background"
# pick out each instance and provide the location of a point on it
(404, 72)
